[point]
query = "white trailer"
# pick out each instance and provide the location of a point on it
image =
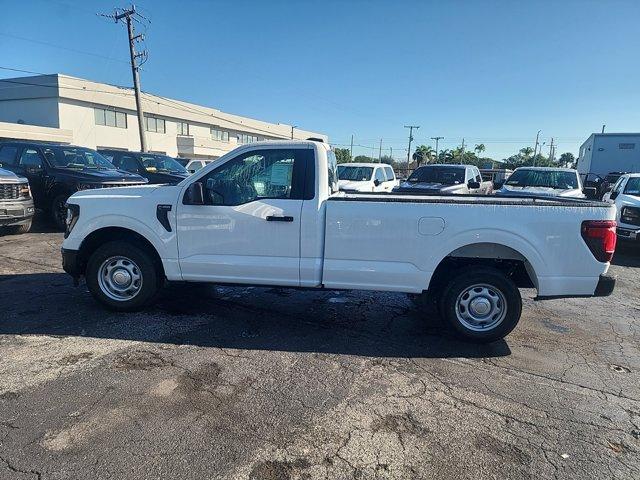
(602, 153)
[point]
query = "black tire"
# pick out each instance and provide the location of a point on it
(492, 287)
(143, 262)
(20, 229)
(58, 211)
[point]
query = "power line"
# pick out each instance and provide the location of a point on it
(74, 50)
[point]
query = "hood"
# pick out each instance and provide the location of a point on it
(354, 184)
(9, 177)
(117, 192)
(100, 176)
(508, 190)
(428, 187)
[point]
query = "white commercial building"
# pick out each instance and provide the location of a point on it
(60, 108)
(602, 153)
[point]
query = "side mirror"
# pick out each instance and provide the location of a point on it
(376, 182)
(590, 192)
(614, 195)
(473, 184)
(194, 194)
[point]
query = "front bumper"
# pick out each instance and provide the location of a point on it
(625, 233)
(16, 212)
(71, 262)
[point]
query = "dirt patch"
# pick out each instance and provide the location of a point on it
(74, 358)
(277, 470)
(503, 450)
(139, 360)
(401, 424)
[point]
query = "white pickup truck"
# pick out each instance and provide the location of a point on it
(270, 213)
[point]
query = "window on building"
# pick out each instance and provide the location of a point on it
(219, 135)
(183, 128)
(154, 124)
(110, 118)
(626, 146)
(246, 138)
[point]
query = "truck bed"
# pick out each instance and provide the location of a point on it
(468, 199)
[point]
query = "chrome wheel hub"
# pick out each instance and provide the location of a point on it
(481, 307)
(120, 278)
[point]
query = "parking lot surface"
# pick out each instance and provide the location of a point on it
(266, 383)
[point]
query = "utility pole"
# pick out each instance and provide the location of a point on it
(292, 127)
(128, 15)
(410, 127)
(391, 153)
(437, 139)
(535, 149)
(380, 152)
(603, 128)
(462, 155)
(551, 151)
(351, 149)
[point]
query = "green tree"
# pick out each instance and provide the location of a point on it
(343, 155)
(526, 151)
(567, 159)
(423, 154)
(364, 159)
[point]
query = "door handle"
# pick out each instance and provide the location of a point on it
(273, 218)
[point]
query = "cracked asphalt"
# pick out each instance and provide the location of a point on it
(265, 383)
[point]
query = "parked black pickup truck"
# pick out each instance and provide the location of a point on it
(16, 204)
(57, 171)
(155, 167)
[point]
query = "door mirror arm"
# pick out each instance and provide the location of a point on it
(194, 195)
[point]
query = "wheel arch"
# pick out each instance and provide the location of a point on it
(103, 235)
(505, 258)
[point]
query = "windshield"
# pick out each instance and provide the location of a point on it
(162, 163)
(556, 179)
(633, 186)
(444, 175)
(358, 174)
(76, 157)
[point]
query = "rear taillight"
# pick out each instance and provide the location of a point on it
(600, 237)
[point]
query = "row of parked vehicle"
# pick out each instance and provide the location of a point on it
(42, 176)
(619, 188)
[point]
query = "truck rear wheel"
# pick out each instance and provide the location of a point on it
(122, 276)
(58, 211)
(482, 304)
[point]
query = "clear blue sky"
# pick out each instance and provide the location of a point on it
(494, 72)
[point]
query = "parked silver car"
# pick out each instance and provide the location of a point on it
(543, 182)
(16, 203)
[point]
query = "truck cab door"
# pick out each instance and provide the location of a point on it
(30, 164)
(245, 228)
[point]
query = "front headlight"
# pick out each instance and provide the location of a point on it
(25, 191)
(73, 213)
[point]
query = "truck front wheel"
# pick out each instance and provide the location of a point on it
(122, 276)
(482, 304)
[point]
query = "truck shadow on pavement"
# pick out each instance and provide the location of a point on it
(249, 318)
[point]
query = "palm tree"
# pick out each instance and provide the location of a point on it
(526, 151)
(479, 148)
(423, 153)
(449, 156)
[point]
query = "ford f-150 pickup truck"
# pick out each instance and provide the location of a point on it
(270, 213)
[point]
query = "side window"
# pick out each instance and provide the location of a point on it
(390, 175)
(272, 173)
(8, 155)
(618, 186)
(380, 176)
(30, 158)
(129, 164)
(111, 157)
